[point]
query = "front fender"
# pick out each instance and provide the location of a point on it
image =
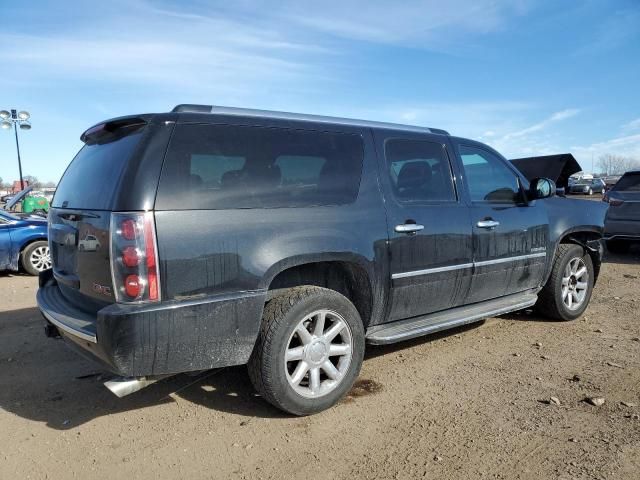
(576, 221)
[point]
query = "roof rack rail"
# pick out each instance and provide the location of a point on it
(192, 108)
(249, 112)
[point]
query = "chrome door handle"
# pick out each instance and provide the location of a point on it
(408, 228)
(487, 224)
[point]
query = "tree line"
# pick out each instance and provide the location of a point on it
(610, 164)
(31, 180)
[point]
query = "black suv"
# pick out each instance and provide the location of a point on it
(228, 236)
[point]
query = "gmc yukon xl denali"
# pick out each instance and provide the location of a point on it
(223, 236)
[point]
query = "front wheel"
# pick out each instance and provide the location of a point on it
(591, 191)
(568, 290)
(309, 350)
(36, 258)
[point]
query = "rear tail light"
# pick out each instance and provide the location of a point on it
(134, 257)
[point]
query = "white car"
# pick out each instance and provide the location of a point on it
(89, 243)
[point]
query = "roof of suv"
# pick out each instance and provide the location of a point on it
(248, 112)
(191, 110)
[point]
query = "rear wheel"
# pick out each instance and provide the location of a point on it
(590, 191)
(36, 258)
(568, 290)
(309, 351)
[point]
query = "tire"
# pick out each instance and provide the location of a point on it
(552, 300)
(40, 213)
(36, 258)
(286, 384)
(618, 246)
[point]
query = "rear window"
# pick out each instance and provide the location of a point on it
(630, 182)
(91, 180)
(226, 167)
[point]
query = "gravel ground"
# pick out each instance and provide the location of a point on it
(473, 402)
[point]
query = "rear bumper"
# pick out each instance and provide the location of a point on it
(159, 339)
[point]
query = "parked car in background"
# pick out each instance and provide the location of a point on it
(6, 198)
(286, 242)
(89, 243)
(587, 186)
(26, 201)
(23, 242)
(622, 223)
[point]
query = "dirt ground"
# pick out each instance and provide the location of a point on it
(470, 403)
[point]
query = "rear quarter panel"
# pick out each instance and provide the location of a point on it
(212, 252)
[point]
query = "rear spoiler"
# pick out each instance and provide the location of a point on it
(556, 167)
(111, 130)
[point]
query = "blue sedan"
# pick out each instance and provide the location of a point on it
(23, 243)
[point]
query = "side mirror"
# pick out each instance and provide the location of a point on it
(541, 188)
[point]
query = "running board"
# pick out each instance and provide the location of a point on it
(434, 322)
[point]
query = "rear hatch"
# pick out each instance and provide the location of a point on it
(624, 199)
(80, 217)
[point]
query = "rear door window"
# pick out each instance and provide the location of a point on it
(227, 167)
(419, 171)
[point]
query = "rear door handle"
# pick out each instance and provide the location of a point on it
(409, 228)
(487, 223)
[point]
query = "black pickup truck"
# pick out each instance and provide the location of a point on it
(211, 236)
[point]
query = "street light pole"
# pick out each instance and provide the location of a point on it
(16, 120)
(15, 130)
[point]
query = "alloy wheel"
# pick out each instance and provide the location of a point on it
(318, 354)
(575, 283)
(40, 259)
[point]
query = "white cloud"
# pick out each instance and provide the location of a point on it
(418, 23)
(627, 146)
(631, 126)
(556, 117)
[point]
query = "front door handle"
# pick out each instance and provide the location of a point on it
(409, 228)
(487, 223)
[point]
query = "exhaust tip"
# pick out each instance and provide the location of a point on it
(123, 386)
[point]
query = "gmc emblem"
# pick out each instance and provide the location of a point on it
(104, 290)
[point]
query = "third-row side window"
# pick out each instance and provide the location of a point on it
(227, 167)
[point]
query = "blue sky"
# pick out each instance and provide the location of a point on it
(527, 77)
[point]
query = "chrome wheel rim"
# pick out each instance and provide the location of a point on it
(575, 284)
(318, 354)
(40, 259)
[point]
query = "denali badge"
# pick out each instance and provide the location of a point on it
(102, 289)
